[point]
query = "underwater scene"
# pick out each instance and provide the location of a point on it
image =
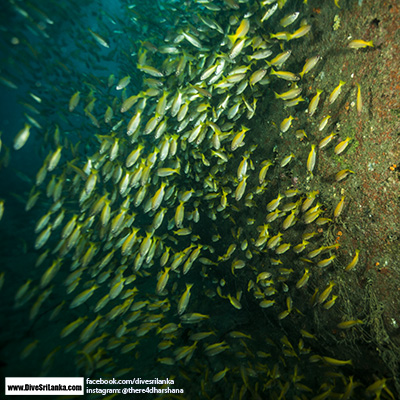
(203, 191)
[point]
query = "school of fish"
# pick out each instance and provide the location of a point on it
(165, 229)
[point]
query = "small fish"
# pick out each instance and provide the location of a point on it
(327, 261)
(272, 216)
(22, 137)
(238, 139)
(43, 237)
(359, 44)
(207, 73)
(300, 247)
(322, 221)
(216, 348)
(312, 107)
(289, 19)
(272, 242)
(341, 146)
(359, 99)
(291, 192)
(307, 335)
(201, 335)
(99, 39)
(268, 14)
(74, 101)
(126, 106)
(72, 327)
(316, 252)
(240, 189)
(220, 375)
(54, 159)
(287, 160)
(257, 76)
(147, 69)
(162, 172)
(146, 244)
(336, 362)
(162, 282)
(158, 197)
(260, 55)
(162, 103)
(28, 349)
(123, 82)
(273, 204)
(83, 297)
(192, 39)
(290, 94)
(293, 102)
(239, 335)
(1, 208)
(329, 304)
(184, 300)
(312, 156)
(377, 388)
(336, 92)
(309, 65)
(325, 294)
(354, 262)
(301, 134)
(286, 123)
(286, 271)
(235, 302)
(289, 220)
(263, 171)
(242, 169)
(237, 48)
(202, 91)
(267, 303)
(325, 141)
(302, 31)
(184, 351)
(263, 276)
(241, 31)
(283, 248)
(279, 59)
(283, 315)
(304, 279)
(349, 324)
(32, 121)
(286, 75)
(323, 123)
(8, 83)
(133, 124)
(343, 174)
(339, 208)
(280, 36)
(108, 115)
